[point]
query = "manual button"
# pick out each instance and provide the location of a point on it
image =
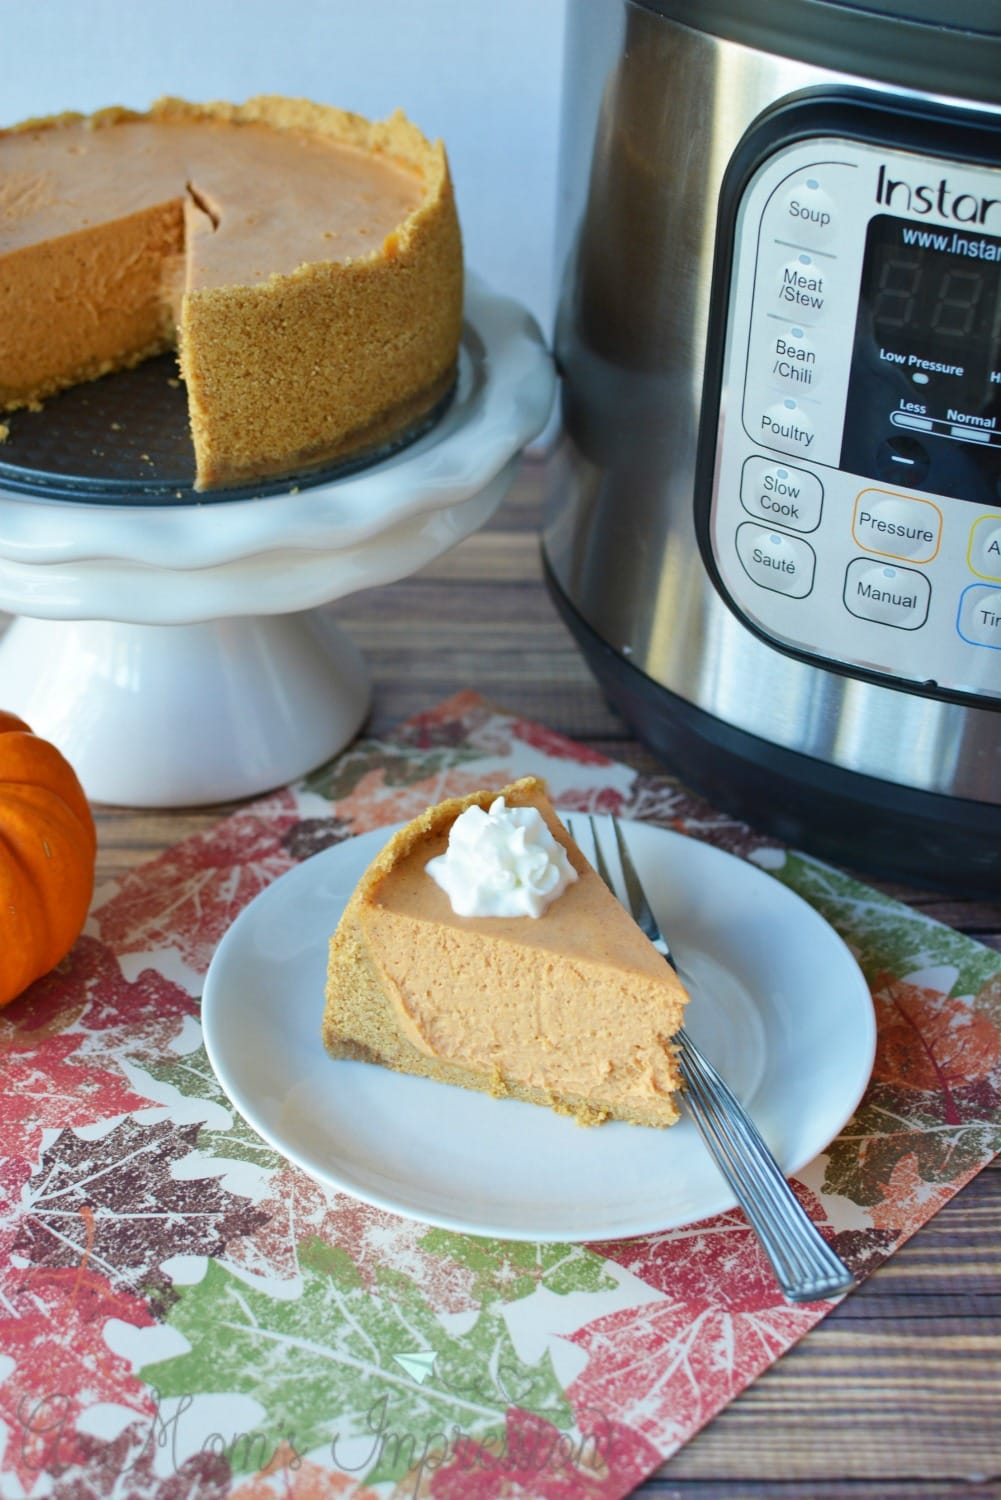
(889, 596)
(782, 563)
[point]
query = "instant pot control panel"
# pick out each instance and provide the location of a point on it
(853, 513)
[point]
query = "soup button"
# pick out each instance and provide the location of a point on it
(782, 563)
(806, 212)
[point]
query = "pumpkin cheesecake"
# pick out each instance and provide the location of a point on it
(572, 1008)
(306, 263)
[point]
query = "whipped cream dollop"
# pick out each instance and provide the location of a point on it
(501, 863)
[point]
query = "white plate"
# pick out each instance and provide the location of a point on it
(781, 1007)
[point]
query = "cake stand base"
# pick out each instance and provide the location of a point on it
(186, 715)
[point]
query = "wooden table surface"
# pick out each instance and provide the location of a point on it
(897, 1393)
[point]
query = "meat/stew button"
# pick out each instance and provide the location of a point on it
(775, 561)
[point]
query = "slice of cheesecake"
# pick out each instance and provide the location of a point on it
(306, 263)
(573, 1009)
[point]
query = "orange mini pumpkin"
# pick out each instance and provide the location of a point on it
(48, 847)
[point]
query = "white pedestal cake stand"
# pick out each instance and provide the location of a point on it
(177, 654)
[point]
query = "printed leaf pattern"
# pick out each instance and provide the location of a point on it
(375, 801)
(720, 1261)
(555, 746)
(507, 1270)
(931, 1114)
(536, 1460)
(192, 1074)
(127, 1466)
(187, 898)
(88, 993)
(291, 1477)
(933, 1043)
(360, 773)
(313, 835)
(884, 935)
(464, 721)
(664, 1369)
(862, 1161)
(652, 799)
(355, 1330)
(52, 1323)
(322, 1364)
(116, 1203)
(52, 1087)
(297, 1208)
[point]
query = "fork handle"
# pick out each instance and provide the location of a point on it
(806, 1267)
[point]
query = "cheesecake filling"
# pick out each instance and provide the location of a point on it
(560, 1029)
(525, 1006)
(575, 1009)
(104, 230)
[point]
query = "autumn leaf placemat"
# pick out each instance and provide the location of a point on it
(184, 1313)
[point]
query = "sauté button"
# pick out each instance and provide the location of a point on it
(979, 618)
(784, 564)
(897, 525)
(890, 596)
(781, 493)
(985, 547)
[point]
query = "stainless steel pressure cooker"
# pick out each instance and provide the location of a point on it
(775, 518)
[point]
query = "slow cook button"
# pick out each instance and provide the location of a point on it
(805, 212)
(979, 619)
(889, 596)
(897, 525)
(781, 494)
(782, 563)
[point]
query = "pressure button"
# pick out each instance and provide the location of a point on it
(897, 525)
(784, 564)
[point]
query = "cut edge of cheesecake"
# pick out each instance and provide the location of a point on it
(420, 260)
(362, 1021)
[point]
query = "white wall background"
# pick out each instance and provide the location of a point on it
(482, 74)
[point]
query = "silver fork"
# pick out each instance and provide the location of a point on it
(806, 1267)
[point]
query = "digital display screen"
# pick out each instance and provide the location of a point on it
(924, 395)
